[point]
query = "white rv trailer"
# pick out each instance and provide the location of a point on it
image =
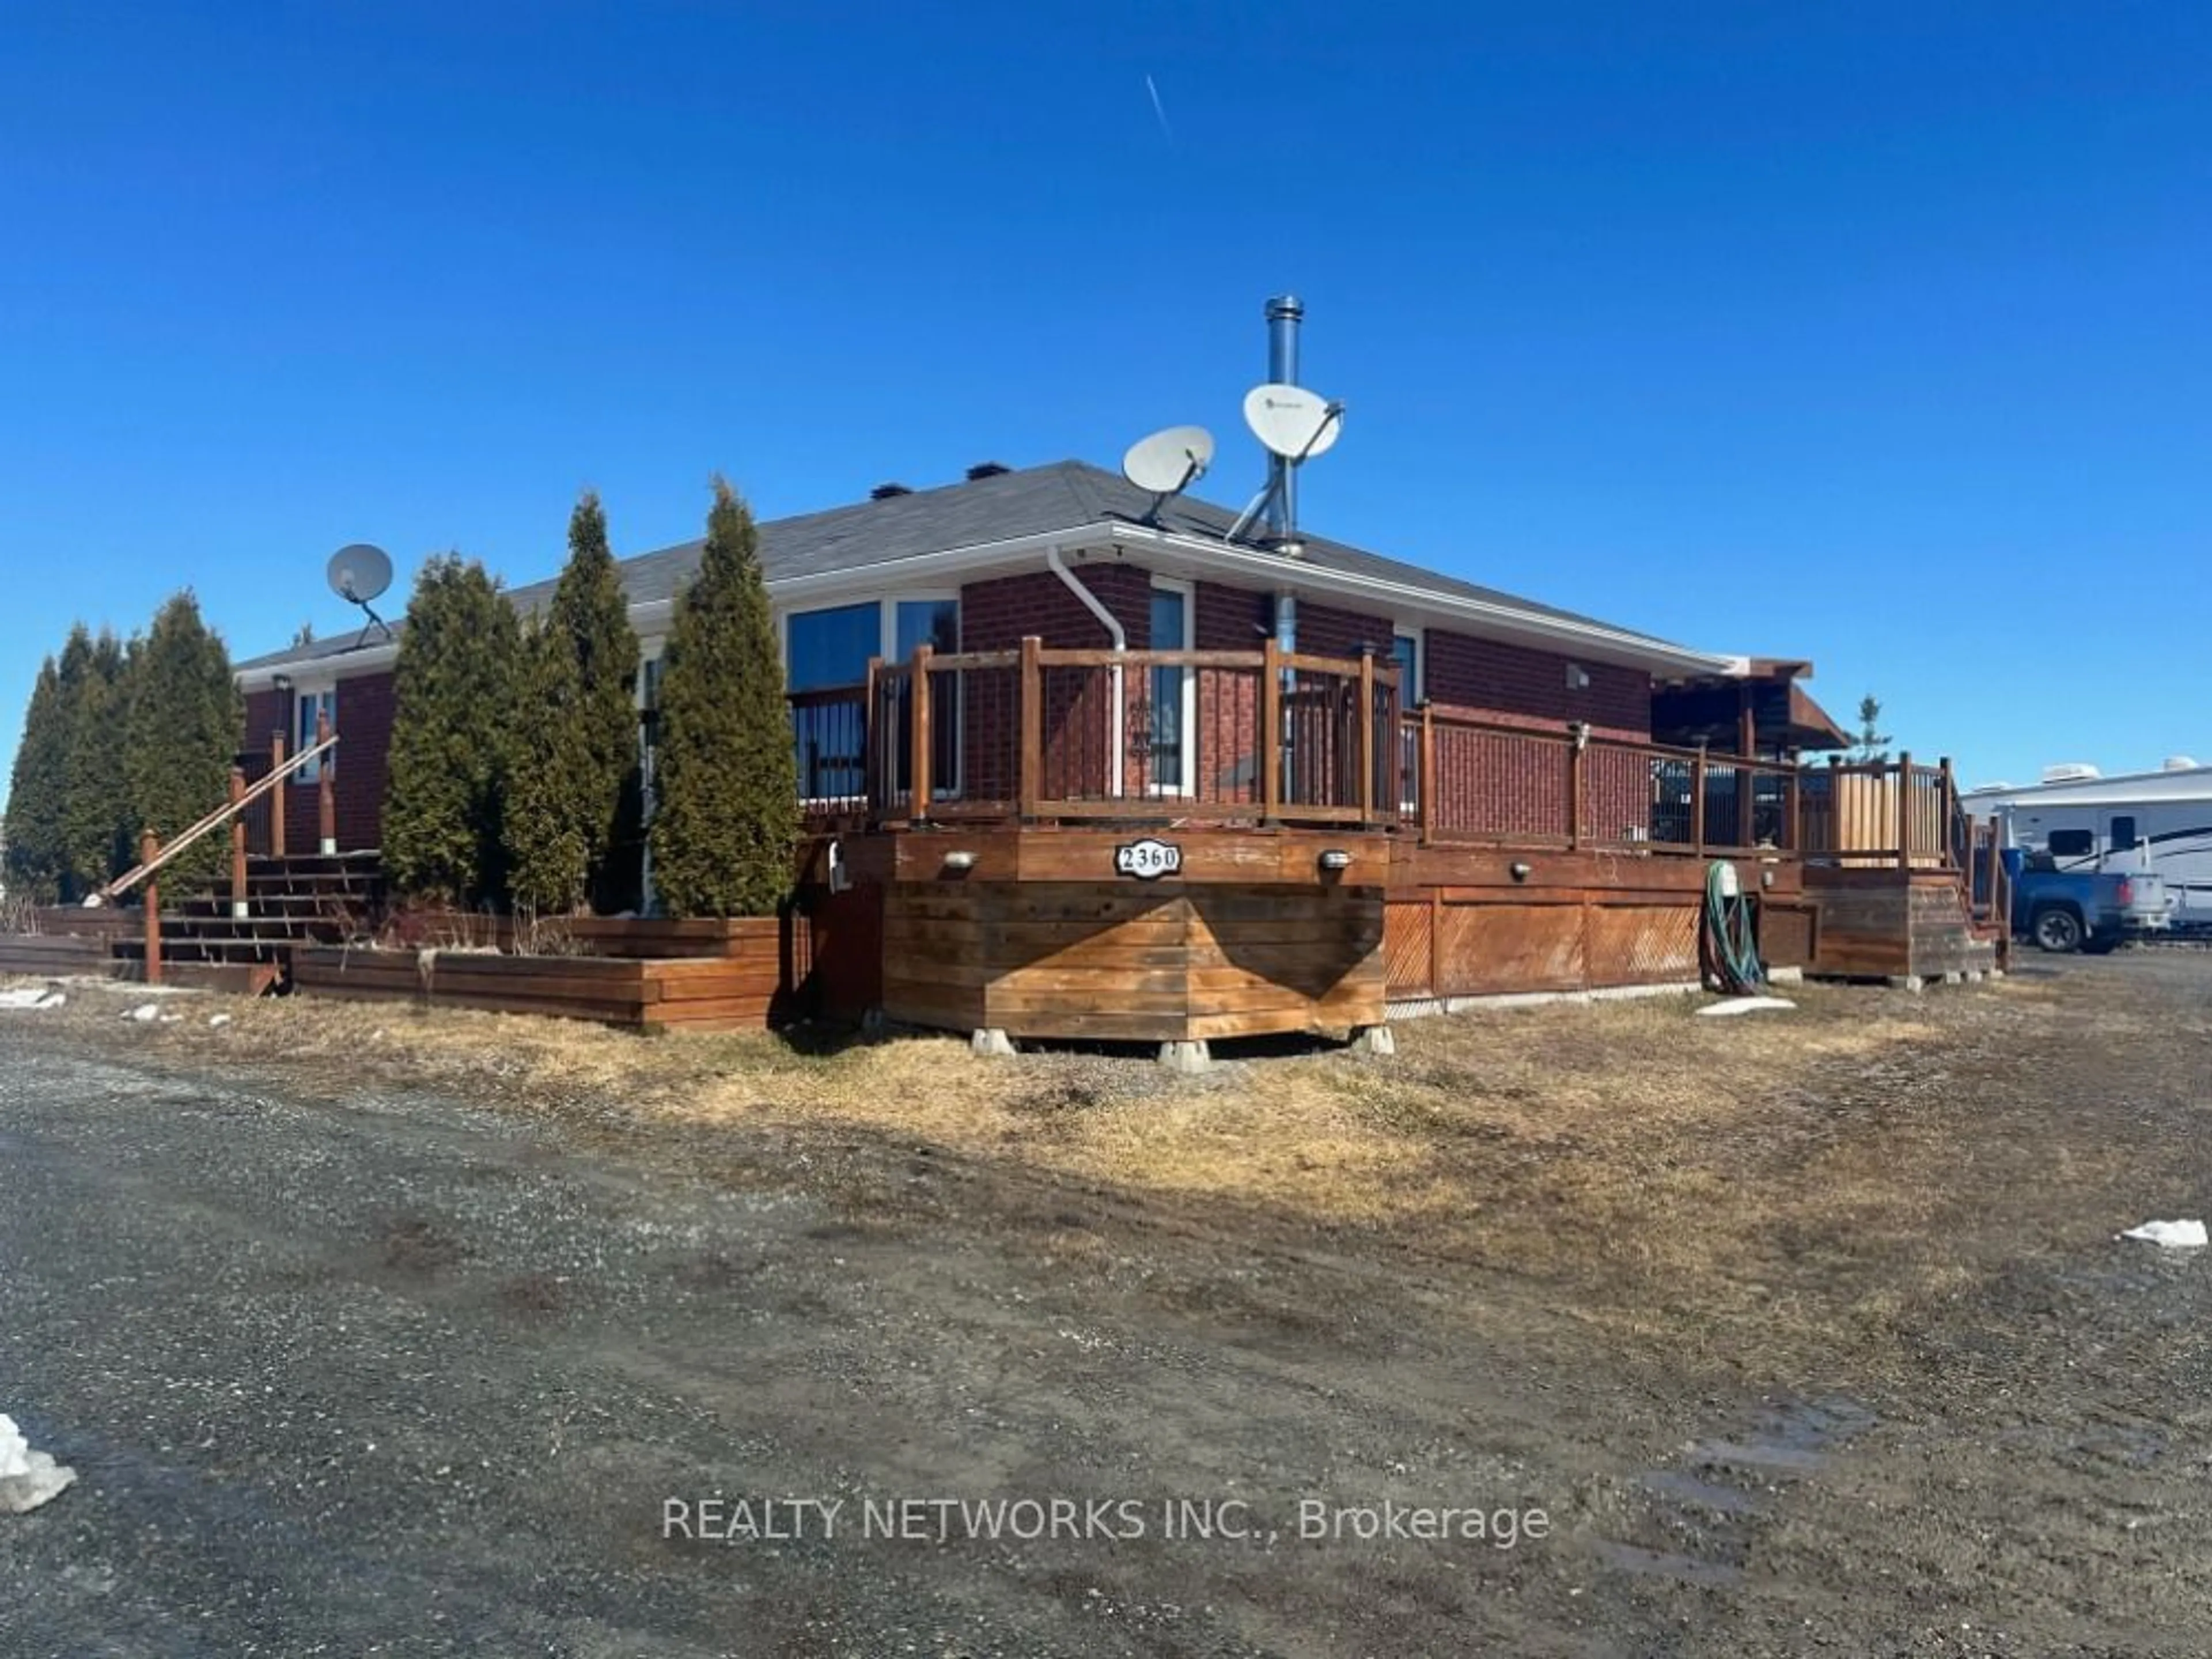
(2138, 821)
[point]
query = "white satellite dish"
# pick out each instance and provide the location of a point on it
(1292, 422)
(359, 573)
(1168, 462)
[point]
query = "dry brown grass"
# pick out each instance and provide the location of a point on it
(1773, 1171)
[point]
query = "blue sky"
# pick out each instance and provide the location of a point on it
(1876, 334)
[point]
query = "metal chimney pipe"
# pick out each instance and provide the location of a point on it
(1284, 313)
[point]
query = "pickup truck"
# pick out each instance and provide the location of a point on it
(2091, 910)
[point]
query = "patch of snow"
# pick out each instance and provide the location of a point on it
(145, 1013)
(1746, 1005)
(218, 1019)
(28, 1478)
(36, 997)
(2170, 1234)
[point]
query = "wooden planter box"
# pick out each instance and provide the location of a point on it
(44, 954)
(742, 989)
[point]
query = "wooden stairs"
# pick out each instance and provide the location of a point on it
(301, 898)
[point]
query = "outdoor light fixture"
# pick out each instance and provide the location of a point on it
(1522, 872)
(960, 861)
(1577, 677)
(283, 682)
(1336, 858)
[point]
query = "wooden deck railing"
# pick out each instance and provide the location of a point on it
(1469, 779)
(1045, 736)
(1272, 736)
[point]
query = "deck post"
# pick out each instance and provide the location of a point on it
(1946, 809)
(238, 843)
(1577, 748)
(277, 796)
(1698, 802)
(1426, 778)
(1794, 809)
(1366, 744)
(918, 773)
(871, 743)
(1905, 809)
(149, 848)
(1271, 731)
(1030, 760)
(326, 799)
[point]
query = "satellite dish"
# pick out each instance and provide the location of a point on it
(1292, 422)
(359, 573)
(1168, 462)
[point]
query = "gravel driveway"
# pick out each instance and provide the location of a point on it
(361, 1369)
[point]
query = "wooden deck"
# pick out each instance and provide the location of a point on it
(1013, 832)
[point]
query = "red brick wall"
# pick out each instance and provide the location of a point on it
(1327, 632)
(995, 615)
(359, 763)
(1505, 785)
(1231, 618)
(1517, 685)
(364, 724)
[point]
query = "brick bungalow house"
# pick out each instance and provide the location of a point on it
(1080, 763)
(1072, 554)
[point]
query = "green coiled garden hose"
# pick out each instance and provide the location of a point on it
(1730, 936)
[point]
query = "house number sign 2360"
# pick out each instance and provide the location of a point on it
(1148, 860)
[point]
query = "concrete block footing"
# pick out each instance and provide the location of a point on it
(1375, 1040)
(991, 1042)
(1905, 983)
(1188, 1058)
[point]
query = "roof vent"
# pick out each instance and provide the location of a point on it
(2180, 763)
(984, 470)
(2071, 772)
(883, 492)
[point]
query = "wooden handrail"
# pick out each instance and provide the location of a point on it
(150, 861)
(1444, 720)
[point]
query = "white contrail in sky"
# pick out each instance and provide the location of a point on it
(1159, 110)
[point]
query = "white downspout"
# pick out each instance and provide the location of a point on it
(1114, 630)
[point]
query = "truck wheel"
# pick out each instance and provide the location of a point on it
(2056, 930)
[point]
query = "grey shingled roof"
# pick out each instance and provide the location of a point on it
(1032, 502)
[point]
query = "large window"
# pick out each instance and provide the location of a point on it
(308, 706)
(935, 623)
(830, 649)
